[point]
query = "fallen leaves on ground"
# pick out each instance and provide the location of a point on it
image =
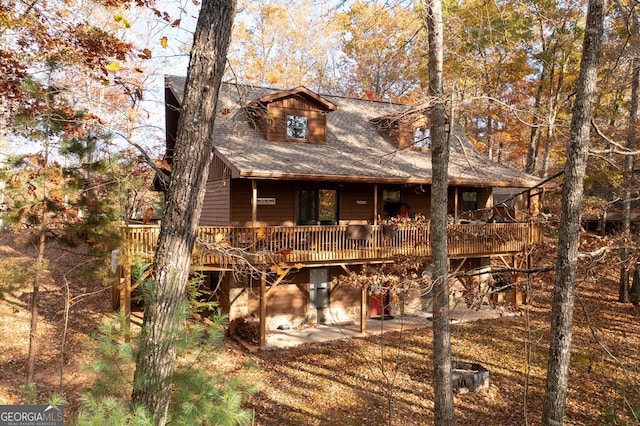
(364, 381)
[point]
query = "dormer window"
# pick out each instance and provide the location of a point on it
(422, 137)
(297, 127)
(297, 115)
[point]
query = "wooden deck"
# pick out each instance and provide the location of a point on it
(225, 246)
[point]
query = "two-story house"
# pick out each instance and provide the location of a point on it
(301, 190)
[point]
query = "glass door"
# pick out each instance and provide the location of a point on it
(317, 207)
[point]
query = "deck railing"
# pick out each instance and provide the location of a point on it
(224, 246)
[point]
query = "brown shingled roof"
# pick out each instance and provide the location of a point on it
(355, 149)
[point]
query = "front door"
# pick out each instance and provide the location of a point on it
(317, 207)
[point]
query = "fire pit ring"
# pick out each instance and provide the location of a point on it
(469, 375)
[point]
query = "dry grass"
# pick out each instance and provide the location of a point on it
(354, 382)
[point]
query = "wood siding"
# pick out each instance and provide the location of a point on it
(228, 202)
(356, 204)
(282, 213)
(276, 130)
(273, 120)
(355, 201)
(172, 114)
(343, 296)
(290, 298)
(401, 131)
(484, 206)
(216, 210)
(417, 196)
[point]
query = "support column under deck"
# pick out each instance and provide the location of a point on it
(363, 311)
(263, 308)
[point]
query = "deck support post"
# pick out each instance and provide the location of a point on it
(127, 301)
(263, 308)
(363, 310)
(515, 285)
(123, 288)
(455, 204)
(375, 204)
(254, 203)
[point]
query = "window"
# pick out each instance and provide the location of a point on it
(469, 201)
(296, 127)
(422, 137)
(317, 206)
(391, 201)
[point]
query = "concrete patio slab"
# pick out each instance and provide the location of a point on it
(319, 333)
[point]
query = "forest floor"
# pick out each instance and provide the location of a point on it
(357, 381)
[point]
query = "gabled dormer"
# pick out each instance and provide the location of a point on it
(406, 130)
(296, 115)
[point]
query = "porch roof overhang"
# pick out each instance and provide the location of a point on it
(380, 180)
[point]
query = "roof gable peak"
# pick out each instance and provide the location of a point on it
(299, 91)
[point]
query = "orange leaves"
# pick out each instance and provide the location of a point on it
(160, 14)
(271, 78)
(145, 54)
(370, 94)
(163, 164)
(225, 111)
(221, 240)
(97, 44)
(285, 252)
(280, 269)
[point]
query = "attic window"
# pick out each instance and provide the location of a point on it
(297, 127)
(422, 137)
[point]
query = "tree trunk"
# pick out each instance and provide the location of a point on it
(443, 404)
(634, 292)
(534, 136)
(33, 327)
(42, 240)
(162, 317)
(568, 238)
(623, 293)
(551, 117)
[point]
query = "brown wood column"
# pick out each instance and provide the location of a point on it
(254, 202)
(455, 203)
(363, 311)
(127, 302)
(254, 214)
(263, 308)
(124, 284)
(375, 204)
(515, 286)
(375, 221)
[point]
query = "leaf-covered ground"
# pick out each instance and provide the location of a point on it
(361, 381)
(364, 381)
